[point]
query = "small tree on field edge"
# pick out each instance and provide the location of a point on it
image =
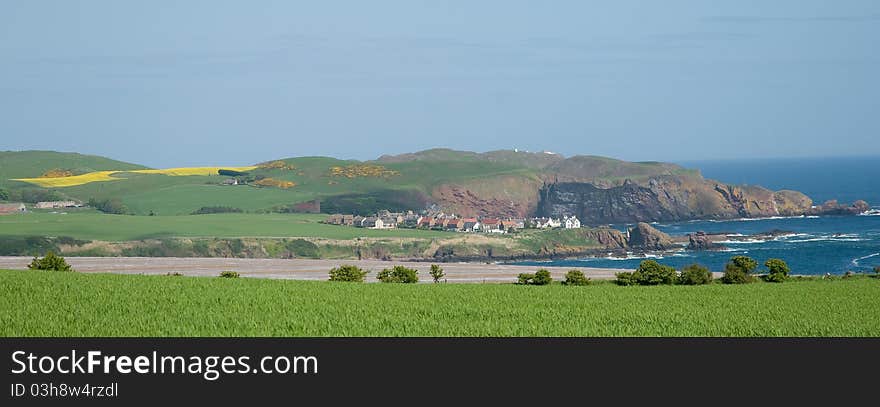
(437, 273)
(739, 270)
(49, 262)
(777, 270)
(399, 274)
(229, 274)
(575, 277)
(348, 273)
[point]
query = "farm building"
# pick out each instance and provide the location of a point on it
(57, 204)
(10, 208)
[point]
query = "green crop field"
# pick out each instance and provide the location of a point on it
(36, 303)
(92, 225)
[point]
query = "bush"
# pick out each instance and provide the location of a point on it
(627, 278)
(575, 277)
(50, 262)
(174, 274)
(542, 277)
(777, 270)
(348, 273)
(205, 210)
(112, 206)
(525, 278)
(877, 270)
(231, 173)
(399, 274)
(739, 270)
(437, 273)
(4, 195)
(695, 274)
(653, 273)
(229, 274)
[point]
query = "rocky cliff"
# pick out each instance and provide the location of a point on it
(667, 198)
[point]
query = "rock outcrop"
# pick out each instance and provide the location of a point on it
(667, 198)
(702, 241)
(646, 237)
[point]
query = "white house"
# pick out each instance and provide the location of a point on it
(571, 222)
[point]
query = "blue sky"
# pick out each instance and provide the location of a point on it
(168, 83)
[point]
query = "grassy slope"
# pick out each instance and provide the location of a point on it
(73, 304)
(181, 195)
(26, 164)
(97, 226)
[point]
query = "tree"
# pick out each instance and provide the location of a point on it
(229, 274)
(653, 273)
(112, 206)
(777, 270)
(695, 274)
(525, 278)
(542, 277)
(575, 277)
(348, 273)
(738, 270)
(50, 262)
(437, 273)
(399, 274)
(4, 195)
(628, 278)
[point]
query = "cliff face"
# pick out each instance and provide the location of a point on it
(667, 198)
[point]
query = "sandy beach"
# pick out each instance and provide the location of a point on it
(297, 269)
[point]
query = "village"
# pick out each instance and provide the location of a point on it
(450, 222)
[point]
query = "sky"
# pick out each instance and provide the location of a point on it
(171, 83)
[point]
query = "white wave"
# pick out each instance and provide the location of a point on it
(747, 241)
(734, 235)
(855, 262)
(827, 239)
(871, 212)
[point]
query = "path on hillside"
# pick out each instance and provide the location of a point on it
(298, 269)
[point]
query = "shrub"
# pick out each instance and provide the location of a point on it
(229, 274)
(205, 210)
(437, 273)
(112, 206)
(348, 273)
(50, 262)
(653, 273)
(231, 173)
(542, 277)
(575, 277)
(627, 278)
(777, 270)
(695, 274)
(525, 278)
(877, 270)
(399, 274)
(738, 270)
(4, 195)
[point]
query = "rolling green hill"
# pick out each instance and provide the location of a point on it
(27, 164)
(495, 183)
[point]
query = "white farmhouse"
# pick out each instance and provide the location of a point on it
(571, 222)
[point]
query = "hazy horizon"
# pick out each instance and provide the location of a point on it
(225, 83)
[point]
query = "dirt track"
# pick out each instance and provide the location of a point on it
(298, 269)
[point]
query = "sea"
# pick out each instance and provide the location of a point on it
(816, 245)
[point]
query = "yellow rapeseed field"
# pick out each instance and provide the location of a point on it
(100, 176)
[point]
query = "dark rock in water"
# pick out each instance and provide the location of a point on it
(646, 237)
(832, 207)
(702, 241)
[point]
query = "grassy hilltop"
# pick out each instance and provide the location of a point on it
(407, 181)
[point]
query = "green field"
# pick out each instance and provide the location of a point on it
(92, 225)
(73, 304)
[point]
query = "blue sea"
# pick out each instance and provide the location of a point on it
(819, 245)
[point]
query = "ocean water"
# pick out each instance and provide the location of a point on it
(819, 245)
